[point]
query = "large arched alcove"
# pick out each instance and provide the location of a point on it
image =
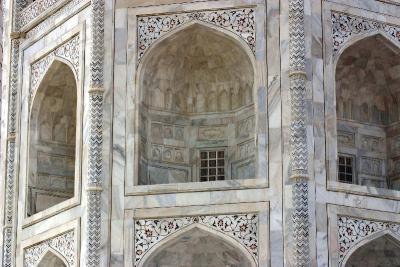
(198, 248)
(52, 134)
(196, 110)
(380, 252)
(367, 97)
(50, 259)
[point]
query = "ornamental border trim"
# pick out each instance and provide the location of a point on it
(240, 21)
(63, 243)
(352, 231)
(346, 26)
(241, 227)
(69, 50)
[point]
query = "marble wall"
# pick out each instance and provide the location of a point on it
(180, 76)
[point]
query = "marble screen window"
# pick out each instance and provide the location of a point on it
(196, 95)
(212, 165)
(52, 139)
(346, 169)
(367, 107)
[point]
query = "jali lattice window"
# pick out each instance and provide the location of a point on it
(346, 169)
(212, 165)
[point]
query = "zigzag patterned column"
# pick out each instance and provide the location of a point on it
(94, 182)
(10, 181)
(298, 135)
(10, 198)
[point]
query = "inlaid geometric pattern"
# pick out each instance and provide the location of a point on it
(353, 230)
(239, 21)
(242, 227)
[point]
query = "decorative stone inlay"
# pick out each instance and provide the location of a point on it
(353, 230)
(70, 51)
(242, 227)
(345, 26)
(65, 11)
(300, 218)
(240, 21)
(34, 10)
(63, 244)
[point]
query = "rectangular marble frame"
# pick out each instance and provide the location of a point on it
(74, 225)
(131, 123)
(334, 211)
(44, 14)
(330, 60)
(25, 83)
(261, 208)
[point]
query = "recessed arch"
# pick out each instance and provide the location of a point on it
(194, 84)
(366, 101)
(52, 138)
(377, 249)
(52, 258)
(54, 61)
(359, 38)
(219, 30)
(194, 240)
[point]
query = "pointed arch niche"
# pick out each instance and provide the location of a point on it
(383, 250)
(367, 78)
(196, 115)
(52, 259)
(198, 246)
(52, 139)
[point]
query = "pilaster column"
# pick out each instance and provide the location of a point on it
(300, 248)
(94, 180)
(11, 177)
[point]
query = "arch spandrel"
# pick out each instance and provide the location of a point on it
(198, 245)
(379, 249)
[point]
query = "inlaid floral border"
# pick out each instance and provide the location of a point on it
(345, 26)
(239, 21)
(64, 244)
(353, 230)
(69, 50)
(241, 227)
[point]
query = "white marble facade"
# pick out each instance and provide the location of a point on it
(200, 133)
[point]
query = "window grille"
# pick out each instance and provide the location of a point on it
(346, 169)
(212, 165)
